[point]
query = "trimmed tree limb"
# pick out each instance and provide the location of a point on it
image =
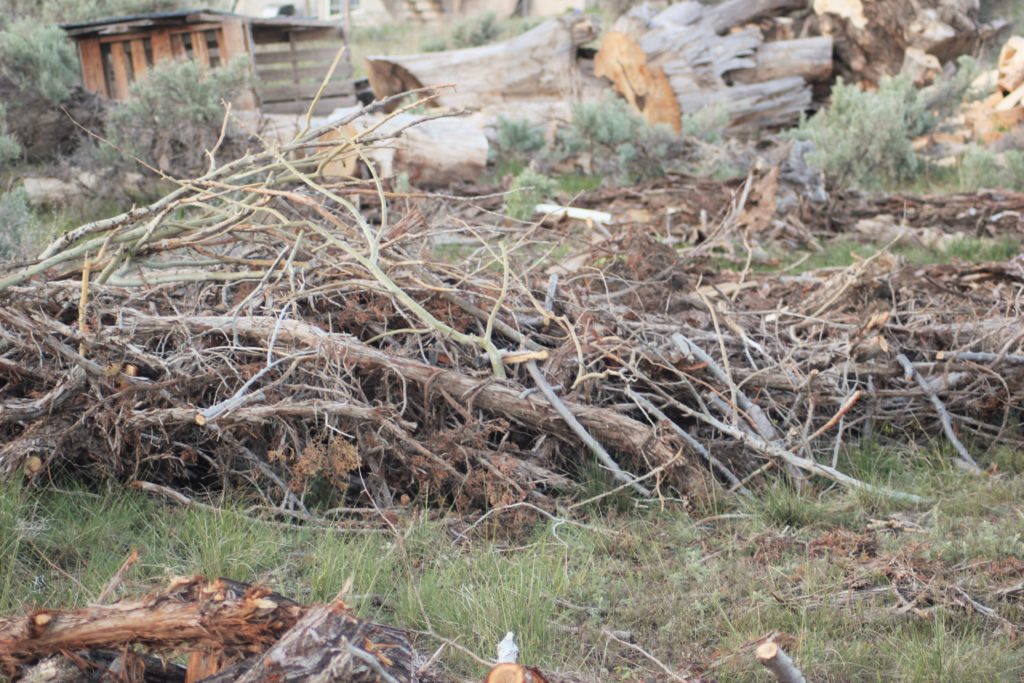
(778, 662)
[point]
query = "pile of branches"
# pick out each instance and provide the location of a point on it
(268, 326)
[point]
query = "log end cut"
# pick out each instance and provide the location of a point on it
(646, 87)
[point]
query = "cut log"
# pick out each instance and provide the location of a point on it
(434, 154)
(268, 637)
(810, 58)
(220, 615)
(691, 56)
(644, 86)
(538, 63)
(871, 38)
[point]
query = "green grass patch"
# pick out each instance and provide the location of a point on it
(693, 591)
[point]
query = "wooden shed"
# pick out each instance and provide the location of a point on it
(289, 56)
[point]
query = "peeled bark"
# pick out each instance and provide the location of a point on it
(539, 63)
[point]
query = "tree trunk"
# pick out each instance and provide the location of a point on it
(434, 154)
(539, 63)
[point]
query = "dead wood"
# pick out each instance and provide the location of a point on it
(266, 323)
(538, 64)
(219, 615)
(235, 632)
(691, 57)
(872, 38)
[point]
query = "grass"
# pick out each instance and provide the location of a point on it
(412, 37)
(841, 252)
(696, 593)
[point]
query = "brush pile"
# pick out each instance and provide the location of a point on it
(265, 326)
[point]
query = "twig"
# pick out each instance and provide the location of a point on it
(965, 460)
(115, 580)
(580, 430)
(843, 410)
(980, 357)
(636, 648)
(693, 443)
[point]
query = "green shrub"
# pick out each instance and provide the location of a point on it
(707, 123)
(38, 59)
(9, 147)
(61, 11)
(16, 234)
(528, 189)
(517, 140)
(863, 137)
(175, 114)
(479, 30)
(980, 168)
(434, 44)
(619, 141)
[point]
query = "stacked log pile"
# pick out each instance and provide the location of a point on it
(762, 62)
(692, 56)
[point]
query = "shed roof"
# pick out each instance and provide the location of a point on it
(134, 22)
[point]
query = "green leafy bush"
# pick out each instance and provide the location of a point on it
(434, 44)
(38, 59)
(517, 140)
(479, 30)
(980, 168)
(707, 123)
(16, 234)
(618, 140)
(863, 137)
(176, 114)
(9, 147)
(528, 189)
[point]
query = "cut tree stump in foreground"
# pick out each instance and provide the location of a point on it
(234, 632)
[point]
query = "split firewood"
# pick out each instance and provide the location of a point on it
(691, 57)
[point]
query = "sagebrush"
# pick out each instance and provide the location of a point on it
(176, 114)
(619, 142)
(864, 138)
(528, 189)
(517, 140)
(38, 59)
